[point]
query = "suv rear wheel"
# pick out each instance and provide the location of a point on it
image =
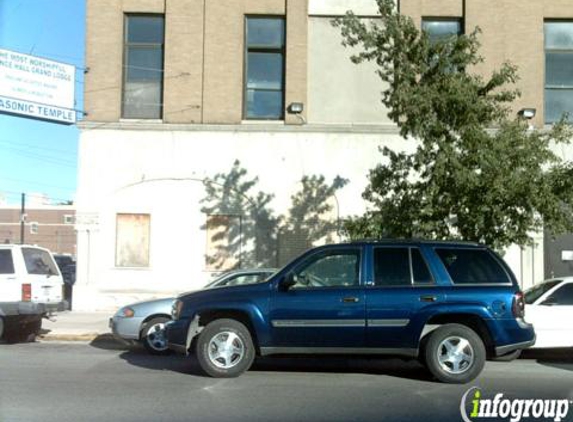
(455, 354)
(225, 348)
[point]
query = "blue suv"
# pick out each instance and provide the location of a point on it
(450, 304)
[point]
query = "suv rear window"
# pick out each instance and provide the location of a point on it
(472, 266)
(39, 262)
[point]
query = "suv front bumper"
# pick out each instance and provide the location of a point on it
(177, 333)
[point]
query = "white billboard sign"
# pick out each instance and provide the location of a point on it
(37, 87)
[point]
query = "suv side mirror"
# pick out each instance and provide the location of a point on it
(287, 282)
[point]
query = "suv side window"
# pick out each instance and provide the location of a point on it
(339, 268)
(6, 263)
(400, 266)
(562, 296)
(472, 266)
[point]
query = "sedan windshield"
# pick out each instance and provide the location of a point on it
(535, 292)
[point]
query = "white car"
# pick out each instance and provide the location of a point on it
(549, 307)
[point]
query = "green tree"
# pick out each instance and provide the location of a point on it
(478, 172)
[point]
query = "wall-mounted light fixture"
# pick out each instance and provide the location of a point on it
(527, 113)
(295, 108)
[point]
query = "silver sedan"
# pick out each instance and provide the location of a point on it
(145, 321)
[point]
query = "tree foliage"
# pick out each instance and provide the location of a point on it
(478, 172)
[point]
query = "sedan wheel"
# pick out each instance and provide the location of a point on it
(153, 336)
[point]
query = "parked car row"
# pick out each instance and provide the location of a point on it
(451, 305)
(145, 321)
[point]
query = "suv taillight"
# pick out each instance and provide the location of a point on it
(26, 292)
(518, 306)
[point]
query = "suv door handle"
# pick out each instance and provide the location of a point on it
(428, 298)
(350, 300)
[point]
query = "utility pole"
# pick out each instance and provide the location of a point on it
(22, 218)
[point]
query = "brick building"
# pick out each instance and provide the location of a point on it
(48, 226)
(215, 130)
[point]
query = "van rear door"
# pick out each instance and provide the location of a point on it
(10, 287)
(43, 275)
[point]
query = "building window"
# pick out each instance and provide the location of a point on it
(69, 219)
(439, 29)
(132, 240)
(143, 67)
(558, 74)
(264, 68)
(224, 242)
(34, 228)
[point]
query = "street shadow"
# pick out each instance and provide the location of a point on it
(109, 342)
(393, 367)
(558, 358)
(171, 362)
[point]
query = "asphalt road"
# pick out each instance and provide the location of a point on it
(80, 382)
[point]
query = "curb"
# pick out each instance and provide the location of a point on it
(69, 337)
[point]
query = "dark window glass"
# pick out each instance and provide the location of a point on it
(39, 262)
(441, 29)
(472, 266)
(420, 269)
(264, 32)
(563, 295)
(264, 86)
(143, 67)
(145, 29)
(559, 35)
(392, 267)
(6, 263)
(336, 269)
(558, 70)
(535, 292)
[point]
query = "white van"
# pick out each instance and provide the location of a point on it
(30, 274)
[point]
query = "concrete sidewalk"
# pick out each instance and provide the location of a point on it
(76, 326)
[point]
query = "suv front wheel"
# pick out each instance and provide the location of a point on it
(225, 348)
(455, 354)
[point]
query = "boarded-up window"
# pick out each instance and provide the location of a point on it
(132, 240)
(223, 242)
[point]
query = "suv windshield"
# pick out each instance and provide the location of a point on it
(535, 292)
(39, 262)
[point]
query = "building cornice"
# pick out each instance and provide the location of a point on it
(389, 129)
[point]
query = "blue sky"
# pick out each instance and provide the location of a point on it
(36, 156)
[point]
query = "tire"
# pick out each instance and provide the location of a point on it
(449, 362)
(153, 336)
(225, 348)
(508, 357)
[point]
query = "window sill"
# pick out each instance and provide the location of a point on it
(132, 268)
(263, 122)
(143, 121)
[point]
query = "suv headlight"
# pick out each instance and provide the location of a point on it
(176, 309)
